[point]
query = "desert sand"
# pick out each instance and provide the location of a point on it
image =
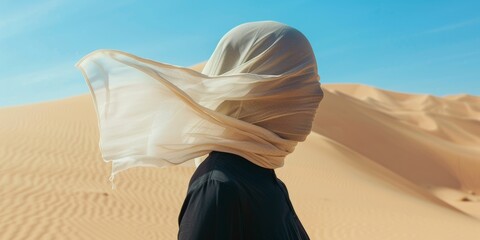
(378, 165)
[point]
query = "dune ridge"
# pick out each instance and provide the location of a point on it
(379, 165)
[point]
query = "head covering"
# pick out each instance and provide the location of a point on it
(256, 97)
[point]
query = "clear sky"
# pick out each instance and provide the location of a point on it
(408, 46)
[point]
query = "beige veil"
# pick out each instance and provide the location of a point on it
(256, 97)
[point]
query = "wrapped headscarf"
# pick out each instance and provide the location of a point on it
(256, 97)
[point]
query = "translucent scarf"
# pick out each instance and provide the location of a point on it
(256, 97)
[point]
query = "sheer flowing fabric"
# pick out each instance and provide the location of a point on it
(256, 97)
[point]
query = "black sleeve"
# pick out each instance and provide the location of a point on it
(211, 211)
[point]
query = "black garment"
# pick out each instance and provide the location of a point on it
(229, 197)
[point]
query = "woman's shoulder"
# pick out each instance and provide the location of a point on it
(213, 178)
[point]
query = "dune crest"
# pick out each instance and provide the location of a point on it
(379, 165)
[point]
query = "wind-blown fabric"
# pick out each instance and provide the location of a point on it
(256, 97)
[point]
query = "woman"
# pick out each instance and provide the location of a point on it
(253, 102)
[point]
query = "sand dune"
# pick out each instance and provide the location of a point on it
(433, 142)
(380, 165)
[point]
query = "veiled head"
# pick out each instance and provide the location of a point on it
(285, 106)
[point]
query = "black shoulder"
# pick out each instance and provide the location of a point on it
(215, 176)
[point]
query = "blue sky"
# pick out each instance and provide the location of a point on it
(407, 46)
